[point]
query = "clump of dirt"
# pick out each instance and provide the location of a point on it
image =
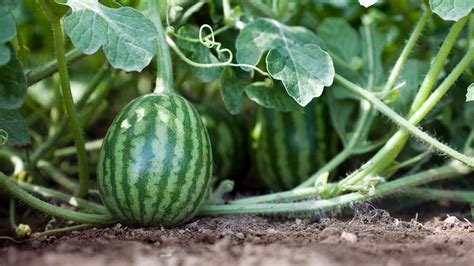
(372, 236)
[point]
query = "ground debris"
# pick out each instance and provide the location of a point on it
(372, 236)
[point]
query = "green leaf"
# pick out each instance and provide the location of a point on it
(231, 91)
(9, 4)
(8, 28)
(14, 127)
(272, 97)
(412, 75)
(470, 93)
(452, 9)
(8, 31)
(341, 39)
(4, 54)
(127, 36)
(294, 56)
(200, 54)
(340, 112)
(12, 83)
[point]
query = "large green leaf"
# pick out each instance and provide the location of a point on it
(272, 97)
(294, 56)
(452, 9)
(4, 54)
(341, 39)
(8, 31)
(470, 93)
(340, 112)
(199, 53)
(8, 28)
(127, 36)
(412, 75)
(12, 83)
(231, 91)
(14, 128)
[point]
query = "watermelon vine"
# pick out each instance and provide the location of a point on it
(312, 100)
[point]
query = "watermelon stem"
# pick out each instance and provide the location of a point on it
(164, 66)
(66, 198)
(419, 109)
(392, 148)
(441, 194)
(11, 187)
(74, 124)
(450, 170)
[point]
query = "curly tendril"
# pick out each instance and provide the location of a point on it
(208, 41)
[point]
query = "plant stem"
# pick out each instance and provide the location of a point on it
(12, 214)
(437, 65)
(409, 125)
(90, 146)
(394, 145)
(410, 161)
(406, 52)
(66, 198)
(441, 194)
(11, 187)
(41, 151)
(63, 230)
(347, 151)
(67, 97)
(164, 66)
(45, 70)
(57, 175)
(451, 170)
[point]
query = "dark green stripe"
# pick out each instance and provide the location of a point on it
(267, 148)
(292, 145)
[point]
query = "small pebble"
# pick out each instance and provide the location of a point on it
(349, 237)
(451, 220)
(240, 235)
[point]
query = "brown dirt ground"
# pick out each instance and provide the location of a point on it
(372, 237)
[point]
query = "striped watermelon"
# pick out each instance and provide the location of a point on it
(155, 165)
(227, 140)
(288, 147)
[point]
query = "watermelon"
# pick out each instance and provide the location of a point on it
(155, 165)
(288, 146)
(227, 136)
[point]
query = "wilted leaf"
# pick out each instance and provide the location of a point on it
(12, 83)
(231, 91)
(452, 9)
(127, 36)
(14, 128)
(294, 56)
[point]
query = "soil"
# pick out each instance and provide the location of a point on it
(371, 237)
